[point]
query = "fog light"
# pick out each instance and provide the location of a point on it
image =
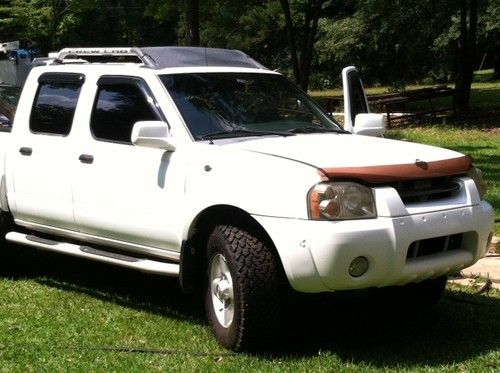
(358, 266)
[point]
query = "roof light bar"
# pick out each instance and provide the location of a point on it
(102, 52)
(95, 52)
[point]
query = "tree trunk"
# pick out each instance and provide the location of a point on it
(307, 51)
(55, 24)
(466, 54)
(301, 62)
(290, 34)
(496, 56)
(192, 23)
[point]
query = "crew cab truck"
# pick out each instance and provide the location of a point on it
(203, 164)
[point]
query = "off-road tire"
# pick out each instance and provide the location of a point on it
(5, 227)
(255, 279)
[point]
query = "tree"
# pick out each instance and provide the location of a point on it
(301, 39)
(492, 33)
(187, 13)
(379, 38)
(44, 21)
(253, 26)
(466, 53)
(7, 32)
(192, 15)
(53, 24)
(261, 28)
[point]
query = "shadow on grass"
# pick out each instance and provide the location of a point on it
(128, 288)
(358, 329)
(352, 326)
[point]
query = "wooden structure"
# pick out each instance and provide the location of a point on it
(395, 105)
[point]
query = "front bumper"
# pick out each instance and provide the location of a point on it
(316, 255)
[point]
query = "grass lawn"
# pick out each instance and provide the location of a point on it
(64, 314)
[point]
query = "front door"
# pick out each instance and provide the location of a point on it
(124, 192)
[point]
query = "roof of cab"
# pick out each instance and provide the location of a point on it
(168, 57)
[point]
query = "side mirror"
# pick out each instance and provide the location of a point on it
(369, 124)
(153, 134)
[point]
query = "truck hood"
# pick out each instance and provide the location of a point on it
(369, 159)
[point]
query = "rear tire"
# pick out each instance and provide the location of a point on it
(5, 227)
(242, 294)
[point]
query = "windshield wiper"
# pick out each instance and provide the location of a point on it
(241, 133)
(315, 129)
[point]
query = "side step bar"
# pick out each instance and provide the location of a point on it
(144, 265)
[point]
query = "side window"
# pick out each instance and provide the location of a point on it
(117, 108)
(55, 103)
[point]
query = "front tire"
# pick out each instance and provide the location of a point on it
(242, 294)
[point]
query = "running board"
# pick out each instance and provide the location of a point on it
(144, 265)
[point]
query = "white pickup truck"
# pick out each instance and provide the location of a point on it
(203, 164)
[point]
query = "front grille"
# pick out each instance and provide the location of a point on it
(415, 191)
(434, 245)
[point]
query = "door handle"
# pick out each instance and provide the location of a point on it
(86, 158)
(26, 151)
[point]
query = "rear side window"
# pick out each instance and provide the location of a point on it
(119, 105)
(55, 103)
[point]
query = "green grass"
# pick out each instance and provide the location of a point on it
(483, 75)
(338, 91)
(486, 96)
(63, 314)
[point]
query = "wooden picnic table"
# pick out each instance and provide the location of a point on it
(391, 103)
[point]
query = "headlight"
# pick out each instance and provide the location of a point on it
(477, 176)
(336, 201)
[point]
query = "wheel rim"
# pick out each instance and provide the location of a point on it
(221, 290)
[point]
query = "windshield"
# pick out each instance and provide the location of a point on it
(244, 104)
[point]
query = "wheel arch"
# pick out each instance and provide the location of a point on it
(193, 246)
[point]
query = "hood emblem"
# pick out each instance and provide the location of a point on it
(422, 164)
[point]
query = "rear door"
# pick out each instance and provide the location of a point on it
(355, 101)
(42, 158)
